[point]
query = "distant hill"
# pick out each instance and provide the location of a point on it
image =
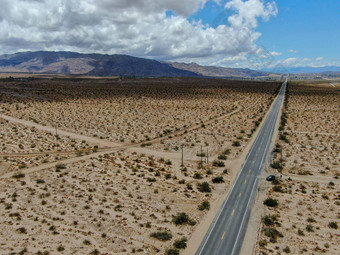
(44, 62)
(214, 71)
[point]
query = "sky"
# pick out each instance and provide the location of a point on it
(254, 34)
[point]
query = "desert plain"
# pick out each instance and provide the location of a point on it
(302, 211)
(137, 166)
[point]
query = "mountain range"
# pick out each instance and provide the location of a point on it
(49, 62)
(72, 63)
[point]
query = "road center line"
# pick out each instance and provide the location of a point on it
(223, 236)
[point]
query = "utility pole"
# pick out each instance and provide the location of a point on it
(281, 160)
(201, 157)
(182, 146)
(207, 155)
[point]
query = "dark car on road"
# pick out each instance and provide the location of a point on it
(270, 178)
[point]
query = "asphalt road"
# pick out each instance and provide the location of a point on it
(226, 233)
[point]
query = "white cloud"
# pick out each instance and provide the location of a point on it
(292, 51)
(303, 62)
(134, 27)
(249, 11)
(275, 54)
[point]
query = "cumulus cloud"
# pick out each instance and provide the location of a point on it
(250, 11)
(292, 51)
(303, 62)
(134, 27)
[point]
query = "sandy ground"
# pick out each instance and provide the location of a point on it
(112, 200)
(307, 215)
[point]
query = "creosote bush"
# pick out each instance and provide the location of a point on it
(333, 225)
(204, 206)
(181, 243)
(271, 202)
(181, 218)
(172, 251)
(204, 187)
(218, 179)
(269, 220)
(18, 175)
(162, 236)
(218, 163)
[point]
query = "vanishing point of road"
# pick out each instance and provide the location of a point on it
(225, 235)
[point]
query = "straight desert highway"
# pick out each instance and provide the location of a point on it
(226, 233)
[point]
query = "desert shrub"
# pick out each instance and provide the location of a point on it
(310, 219)
(225, 171)
(181, 243)
(277, 188)
(300, 232)
(172, 251)
(325, 196)
(226, 152)
(310, 228)
(276, 181)
(95, 252)
(86, 242)
(272, 233)
(22, 230)
(18, 175)
(60, 166)
(262, 243)
(333, 225)
(162, 236)
(269, 220)
(60, 248)
(192, 222)
(40, 181)
(204, 187)
(218, 179)
(151, 179)
(270, 202)
(204, 206)
(276, 165)
(218, 163)
(197, 176)
(8, 206)
(222, 157)
(286, 249)
(236, 144)
(180, 218)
